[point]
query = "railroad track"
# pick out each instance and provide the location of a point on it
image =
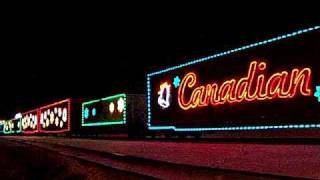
(145, 168)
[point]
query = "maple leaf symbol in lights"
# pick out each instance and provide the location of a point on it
(176, 81)
(317, 93)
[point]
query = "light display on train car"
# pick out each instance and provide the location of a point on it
(30, 121)
(12, 126)
(106, 111)
(55, 118)
(272, 84)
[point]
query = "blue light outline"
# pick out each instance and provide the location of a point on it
(212, 57)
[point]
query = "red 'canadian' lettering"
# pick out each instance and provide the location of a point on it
(255, 86)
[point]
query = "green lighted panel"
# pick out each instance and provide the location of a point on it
(110, 98)
(11, 131)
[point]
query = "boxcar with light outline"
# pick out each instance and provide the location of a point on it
(270, 85)
(120, 113)
(55, 117)
(29, 121)
(12, 126)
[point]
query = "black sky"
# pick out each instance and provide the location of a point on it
(82, 55)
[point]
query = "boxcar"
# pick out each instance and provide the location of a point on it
(271, 86)
(121, 114)
(12, 126)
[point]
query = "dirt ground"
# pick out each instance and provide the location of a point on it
(19, 161)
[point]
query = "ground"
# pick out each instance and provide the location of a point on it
(19, 161)
(54, 158)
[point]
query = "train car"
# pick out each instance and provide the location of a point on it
(118, 114)
(55, 118)
(30, 121)
(12, 126)
(270, 88)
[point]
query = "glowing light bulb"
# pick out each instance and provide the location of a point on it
(41, 118)
(94, 112)
(111, 107)
(47, 122)
(51, 118)
(86, 113)
(18, 115)
(120, 103)
(57, 121)
(64, 115)
(59, 112)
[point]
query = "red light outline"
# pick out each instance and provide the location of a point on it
(237, 91)
(68, 118)
(182, 104)
(38, 121)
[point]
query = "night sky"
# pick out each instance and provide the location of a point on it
(49, 58)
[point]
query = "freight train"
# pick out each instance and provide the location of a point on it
(268, 86)
(117, 114)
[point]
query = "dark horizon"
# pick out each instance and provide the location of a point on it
(54, 60)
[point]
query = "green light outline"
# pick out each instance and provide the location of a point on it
(123, 121)
(103, 123)
(12, 131)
